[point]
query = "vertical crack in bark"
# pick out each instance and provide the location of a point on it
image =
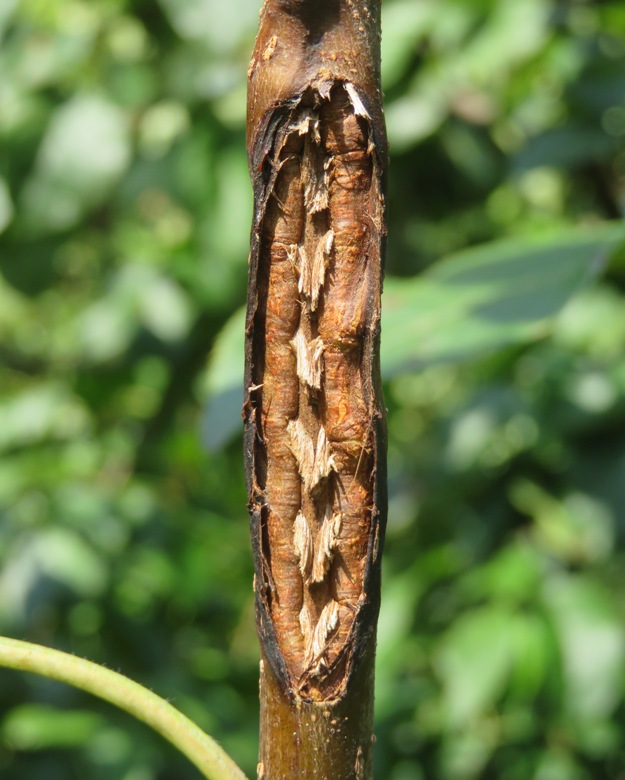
(312, 399)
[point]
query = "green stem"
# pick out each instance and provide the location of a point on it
(197, 746)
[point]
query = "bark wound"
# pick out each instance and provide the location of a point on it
(313, 404)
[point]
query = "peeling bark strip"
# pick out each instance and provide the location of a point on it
(314, 323)
(314, 424)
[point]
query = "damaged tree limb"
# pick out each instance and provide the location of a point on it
(314, 418)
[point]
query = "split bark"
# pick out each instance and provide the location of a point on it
(315, 435)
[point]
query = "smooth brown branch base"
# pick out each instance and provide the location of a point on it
(309, 740)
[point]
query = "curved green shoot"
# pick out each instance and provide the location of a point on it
(212, 761)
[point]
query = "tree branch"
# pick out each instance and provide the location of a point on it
(315, 437)
(146, 706)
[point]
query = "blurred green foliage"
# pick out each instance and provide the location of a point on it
(124, 217)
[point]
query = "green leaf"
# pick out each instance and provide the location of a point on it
(47, 411)
(592, 643)
(514, 573)
(218, 26)
(474, 662)
(37, 727)
(557, 764)
(6, 205)
(164, 309)
(497, 47)
(569, 147)
(223, 382)
(405, 24)
(83, 154)
(7, 9)
(576, 529)
(54, 553)
(532, 653)
(489, 297)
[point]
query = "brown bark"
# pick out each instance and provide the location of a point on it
(314, 422)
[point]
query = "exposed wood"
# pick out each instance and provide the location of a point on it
(314, 419)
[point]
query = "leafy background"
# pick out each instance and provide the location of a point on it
(124, 214)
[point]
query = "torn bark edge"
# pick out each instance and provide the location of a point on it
(272, 131)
